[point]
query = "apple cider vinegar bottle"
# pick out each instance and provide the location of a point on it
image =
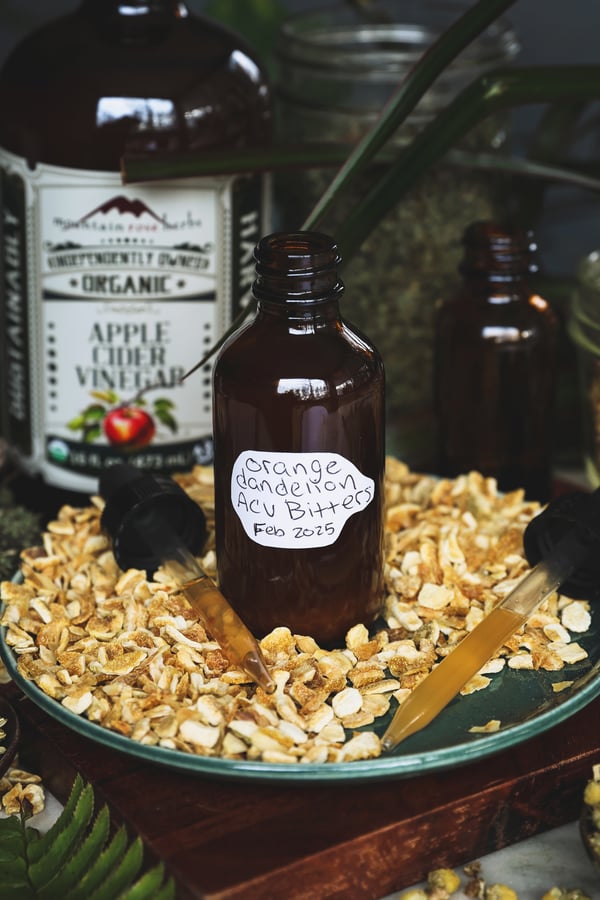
(110, 289)
(299, 451)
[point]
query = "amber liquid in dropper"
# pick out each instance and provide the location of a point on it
(226, 627)
(444, 682)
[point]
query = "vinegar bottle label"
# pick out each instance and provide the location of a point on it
(297, 500)
(110, 294)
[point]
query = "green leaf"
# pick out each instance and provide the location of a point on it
(276, 157)
(441, 53)
(11, 837)
(163, 403)
(64, 844)
(74, 869)
(105, 396)
(101, 867)
(562, 85)
(529, 169)
(8, 852)
(94, 413)
(550, 142)
(91, 414)
(15, 872)
(91, 434)
(166, 419)
(502, 89)
(121, 876)
(76, 423)
(72, 810)
(466, 28)
(150, 887)
(16, 892)
(167, 892)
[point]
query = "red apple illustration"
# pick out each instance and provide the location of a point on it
(129, 427)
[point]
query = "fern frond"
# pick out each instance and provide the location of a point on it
(150, 887)
(77, 859)
(123, 875)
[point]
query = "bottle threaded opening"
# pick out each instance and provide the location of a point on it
(296, 266)
(498, 248)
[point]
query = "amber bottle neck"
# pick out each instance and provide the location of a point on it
(497, 254)
(297, 273)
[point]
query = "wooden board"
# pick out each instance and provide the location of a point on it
(257, 841)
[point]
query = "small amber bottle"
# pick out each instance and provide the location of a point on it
(495, 347)
(299, 451)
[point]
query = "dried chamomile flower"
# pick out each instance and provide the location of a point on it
(21, 791)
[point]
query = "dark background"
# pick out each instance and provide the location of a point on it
(550, 32)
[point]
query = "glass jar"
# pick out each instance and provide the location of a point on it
(337, 68)
(584, 330)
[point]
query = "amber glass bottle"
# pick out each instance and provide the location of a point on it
(299, 451)
(495, 351)
(111, 291)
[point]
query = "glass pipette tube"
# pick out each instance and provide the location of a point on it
(208, 603)
(436, 690)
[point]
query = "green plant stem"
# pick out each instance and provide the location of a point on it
(272, 158)
(502, 89)
(574, 172)
(441, 53)
(473, 161)
(567, 173)
(550, 141)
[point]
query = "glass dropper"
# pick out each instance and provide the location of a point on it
(208, 603)
(152, 523)
(565, 537)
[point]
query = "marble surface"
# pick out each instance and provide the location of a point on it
(555, 858)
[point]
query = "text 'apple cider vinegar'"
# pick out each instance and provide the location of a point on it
(299, 451)
(112, 290)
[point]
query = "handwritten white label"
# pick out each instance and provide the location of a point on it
(297, 500)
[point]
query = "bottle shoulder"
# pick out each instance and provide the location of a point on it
(76, 92)
(471, 310)
(278, 349)
(69, 42)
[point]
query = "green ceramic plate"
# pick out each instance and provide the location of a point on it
(523, 701)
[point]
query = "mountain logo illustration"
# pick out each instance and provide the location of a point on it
(123, 205)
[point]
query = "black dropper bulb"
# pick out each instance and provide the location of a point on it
(573, 521)
(136, 501)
